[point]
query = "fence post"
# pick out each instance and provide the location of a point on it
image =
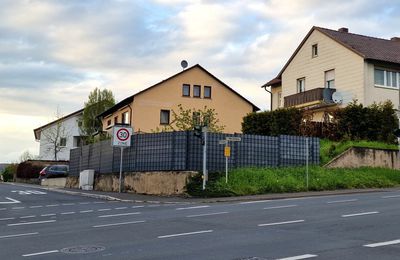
(279, 150)
(187, 155)
(173, 144)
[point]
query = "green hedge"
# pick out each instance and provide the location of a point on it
(9, 172)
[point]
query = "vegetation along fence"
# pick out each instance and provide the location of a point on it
(182, 151)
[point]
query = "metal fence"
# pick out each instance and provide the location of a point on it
(182, 151)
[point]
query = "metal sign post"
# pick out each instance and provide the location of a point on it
(227, 151)
(121, 138)
(205, 173)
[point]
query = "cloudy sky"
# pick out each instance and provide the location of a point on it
(53, 53)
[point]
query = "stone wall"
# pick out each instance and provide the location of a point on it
(366, 157)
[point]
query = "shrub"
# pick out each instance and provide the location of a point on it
(9, 172)
(29, 170)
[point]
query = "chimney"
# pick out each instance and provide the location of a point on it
(395, 39)
(343, 30)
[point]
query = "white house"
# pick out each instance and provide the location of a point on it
(58, 137)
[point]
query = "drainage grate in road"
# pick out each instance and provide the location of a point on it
(82, 249)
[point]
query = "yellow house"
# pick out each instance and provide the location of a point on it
(193, 88)
(330, 68)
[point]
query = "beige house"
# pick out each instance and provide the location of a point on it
(193, 88)
(336, 61)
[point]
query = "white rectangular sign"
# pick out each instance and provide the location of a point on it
(121, 136)
(222, 141)
(233, 139)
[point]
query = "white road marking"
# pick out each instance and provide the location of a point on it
(52, 205)
(341, 201)
(360, 214)
(135, 207)
(195, 207)
(281, 223)
(31, 223)
(18, 208)
(2, 208)
(281, 207)
(84, 203)
(252, 202)
(118, 224)
(392, 196)
(6, 218)
(103, 209)
(207, 214)
(20, 235)
(36, 192)
(34, 207)
(121, 208)
(85, 211)
(186, 234)
(298, 257)
(31, 216)
(387, 243)
(48, 215)
(67, 213)
(42, 253)
(68, 204)
(117, 215)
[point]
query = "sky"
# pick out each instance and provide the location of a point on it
(53, 53)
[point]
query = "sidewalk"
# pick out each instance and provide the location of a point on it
(140, 198)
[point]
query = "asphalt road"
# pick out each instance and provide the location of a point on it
(40, 224)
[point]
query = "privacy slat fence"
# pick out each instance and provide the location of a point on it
(182, 151)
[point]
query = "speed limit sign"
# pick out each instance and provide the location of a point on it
(122, 136)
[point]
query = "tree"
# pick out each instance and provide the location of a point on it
(187, 119)
(26, 156)
(98, 102)
(55, 136)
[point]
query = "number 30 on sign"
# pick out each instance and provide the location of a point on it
(122, 136)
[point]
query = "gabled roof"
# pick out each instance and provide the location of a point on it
(39, 129)
(370, 48)
(128, 100)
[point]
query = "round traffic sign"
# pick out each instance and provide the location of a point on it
(122, 134)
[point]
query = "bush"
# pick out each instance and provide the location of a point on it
(9, 172)
(29, 170)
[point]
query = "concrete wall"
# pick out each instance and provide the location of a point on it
(348, 66)
(154, 183)
(365, 157)
(54, 182)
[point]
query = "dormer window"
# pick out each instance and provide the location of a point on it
(314, 50)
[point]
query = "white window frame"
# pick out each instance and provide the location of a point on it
(386, 82)
(314, 47)
(125, 117)
(303, 79)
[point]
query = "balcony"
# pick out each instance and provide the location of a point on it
(310, 97)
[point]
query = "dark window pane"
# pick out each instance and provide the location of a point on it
(379, 77)
(164, 117)
(186, 90)
(196, 91)
(207, 92)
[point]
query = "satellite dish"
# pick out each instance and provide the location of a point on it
(184, 64)
(337, 98)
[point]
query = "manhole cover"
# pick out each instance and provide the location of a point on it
(82, 249)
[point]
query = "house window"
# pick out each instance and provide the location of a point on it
(109, 122)
(384, 78)
(207, 92)
(115, 120)
(63, 142)
(196, 91)
(77, 141)
(301, 85)
(186, 90)
(314, 50)
(125, 118)
(330, 79)
(279, 99)
(164, 117)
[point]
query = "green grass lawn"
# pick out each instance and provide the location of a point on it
(251, 181)
(330, 149)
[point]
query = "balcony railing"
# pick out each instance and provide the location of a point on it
(312, 95)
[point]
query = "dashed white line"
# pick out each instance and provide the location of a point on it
(85, 211)
(18, 208)
(6, 219)
(20, 235)
(53, 205)
(298, 257)
(34, 207)
(48, 215)
(135, 207)
(360, 214)
(103, 209)
(30, 216)
(31, 223)
(84, 203)
(387, 243)
(118, 224)
(341, 201)
(42, 253)
(3, 208)
(68, 204)
(252, 202)
(281, 207)
(118, 215)
(67, 213)
(207, 214)
(195, 207)
(186, 234)
(392, 196)
(121, 208)
(281, 223)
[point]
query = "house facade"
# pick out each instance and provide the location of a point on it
(193, 88)
(58, 137)
(336, 61)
